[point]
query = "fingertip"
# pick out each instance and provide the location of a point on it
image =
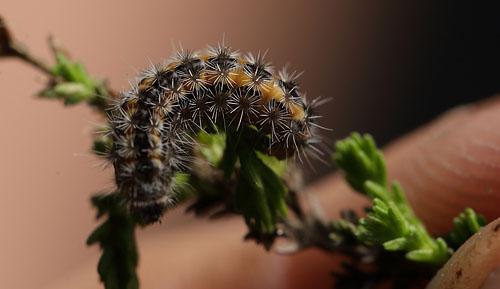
(473, 262)
(451, 164)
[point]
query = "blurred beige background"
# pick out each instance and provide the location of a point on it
(363, 54)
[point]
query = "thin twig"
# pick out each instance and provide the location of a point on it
(9, 47)
(13, 48)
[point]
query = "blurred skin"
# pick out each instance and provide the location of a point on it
(443, 167)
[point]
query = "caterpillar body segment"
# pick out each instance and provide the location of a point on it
(152, 125)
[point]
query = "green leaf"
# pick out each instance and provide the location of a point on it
(102, 145)
(259, 192)
(230, 155)
(75, 85)
(72, 92)
(275, 190)
(278, 166)
(383, 224)
(399, 197)
(359, 158)
(466, 224)
(118, 262)
(212, 147)
(376, 191)
(396, 244)
(64, 68)
(345, 230)
(422, 255)
(437, 255)
(184, 188)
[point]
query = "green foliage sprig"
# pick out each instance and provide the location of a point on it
(118, 262)
(465, 225)
(76, 85)
(259, 192)
(391, 220)
(361, 161)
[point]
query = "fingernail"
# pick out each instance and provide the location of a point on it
(493, 280)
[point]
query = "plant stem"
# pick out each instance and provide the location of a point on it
(10, 47)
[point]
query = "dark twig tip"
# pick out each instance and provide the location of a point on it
(5, 40)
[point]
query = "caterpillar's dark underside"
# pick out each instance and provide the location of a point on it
(152, 125)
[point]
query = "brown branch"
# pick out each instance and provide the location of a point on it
(9, 47)
(13, 48)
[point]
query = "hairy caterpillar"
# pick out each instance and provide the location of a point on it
(152, 124)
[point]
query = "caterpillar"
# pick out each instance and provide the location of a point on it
(153, 123)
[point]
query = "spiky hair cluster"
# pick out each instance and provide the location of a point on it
(153, 124)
